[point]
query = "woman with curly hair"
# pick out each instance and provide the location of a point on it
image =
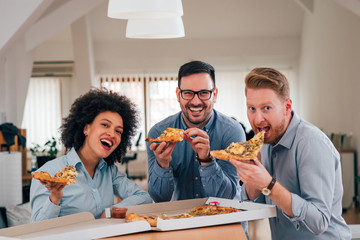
(96, 133)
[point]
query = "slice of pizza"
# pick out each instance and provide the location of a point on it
(133, 217)
(169, 135)
(242, 151)
(66, 176)
(212, 210)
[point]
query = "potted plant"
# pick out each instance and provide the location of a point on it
(46, 152)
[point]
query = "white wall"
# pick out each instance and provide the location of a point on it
(15, 72)
(329, 69)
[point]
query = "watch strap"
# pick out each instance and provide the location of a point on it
(272, 183)
(206, 160)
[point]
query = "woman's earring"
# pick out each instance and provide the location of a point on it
(85, 133)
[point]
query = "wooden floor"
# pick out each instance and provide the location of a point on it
(352, 215)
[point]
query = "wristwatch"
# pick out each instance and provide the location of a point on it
(206, 160)
(266, 191)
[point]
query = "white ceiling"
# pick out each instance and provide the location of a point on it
(209, 19)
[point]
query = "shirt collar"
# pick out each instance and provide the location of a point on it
(206, 127)
(288, 138)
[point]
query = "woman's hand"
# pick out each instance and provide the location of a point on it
(56, 191)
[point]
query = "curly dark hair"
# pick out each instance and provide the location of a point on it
(84, 110)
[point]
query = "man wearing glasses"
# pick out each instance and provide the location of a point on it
(185, 170)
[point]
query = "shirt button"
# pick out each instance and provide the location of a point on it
(170, 171)
(94, 190)
(201, 170)
(196, 178)
(203, 185)
(196, 195)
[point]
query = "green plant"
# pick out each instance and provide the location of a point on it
(48, 149)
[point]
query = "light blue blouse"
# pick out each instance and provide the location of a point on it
(87, 194)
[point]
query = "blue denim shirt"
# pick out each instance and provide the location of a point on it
(186, 178)
(87, 194)
(307, 164)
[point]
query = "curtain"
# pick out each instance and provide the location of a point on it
(42, 114)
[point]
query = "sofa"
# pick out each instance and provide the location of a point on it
(15, 215)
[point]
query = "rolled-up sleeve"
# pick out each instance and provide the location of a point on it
(42, 207)
(161, 180)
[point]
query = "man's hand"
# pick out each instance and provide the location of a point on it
(199, 141)
(56, 191)
(256, 177)
(252, 173)
(162, 152)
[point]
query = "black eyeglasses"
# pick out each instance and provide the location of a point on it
(203, 94)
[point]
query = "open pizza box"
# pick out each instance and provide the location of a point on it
(84, 226)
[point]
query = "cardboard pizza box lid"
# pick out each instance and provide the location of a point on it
(76, 226)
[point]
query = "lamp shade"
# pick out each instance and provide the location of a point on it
(131, 9)
(155, 28)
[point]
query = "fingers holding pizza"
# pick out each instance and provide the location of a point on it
(162, 152)
(163, 145)
(199, 141)
(55, 185)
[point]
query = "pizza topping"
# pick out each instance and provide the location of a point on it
(169, 135)
(68, 172)
(206, 210)
(242, 151)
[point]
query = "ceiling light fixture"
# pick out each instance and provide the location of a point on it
(155, 28)
(144, 9)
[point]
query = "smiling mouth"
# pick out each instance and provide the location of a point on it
(108, 144)
(196, 109)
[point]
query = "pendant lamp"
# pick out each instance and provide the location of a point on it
(159, 28)
(146, 9)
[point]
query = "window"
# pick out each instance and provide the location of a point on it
(42, 115)
(162, 98)
(153, 94)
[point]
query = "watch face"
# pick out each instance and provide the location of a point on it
(265, 191)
